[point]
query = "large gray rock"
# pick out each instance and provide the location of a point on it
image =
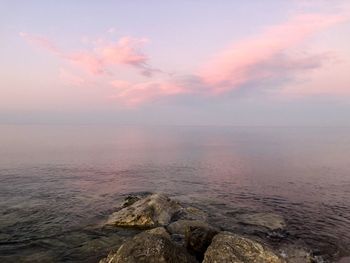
(228, 247)
(149, 247)
(151, 211)
(270, 221)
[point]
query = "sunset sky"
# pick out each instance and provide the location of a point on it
(270, 62)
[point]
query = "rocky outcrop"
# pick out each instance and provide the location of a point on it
(150, 247)
(182, 234)
(154, 210)
(229, 247)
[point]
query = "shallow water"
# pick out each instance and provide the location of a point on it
(58, 183)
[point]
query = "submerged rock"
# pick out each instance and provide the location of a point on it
(151, 211)
(270, 221)
(191, 213)
(293, 254)
(180, 227)
(152, 246)
(229, 247)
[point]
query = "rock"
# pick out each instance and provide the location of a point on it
(181, 226)
(344, 260)
(191, 213)
(129, 200)
(178, 239)
(148, 247)
(293, 254)
(193, 234)
(151, 211)
(198, 238)
(160, 231)
(229, 247)
(268, 220)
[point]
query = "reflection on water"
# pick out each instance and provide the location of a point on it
(58, 183)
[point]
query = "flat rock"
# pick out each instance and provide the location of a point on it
(270, 221)
(228, 247)
(151, 211)
(149, 247)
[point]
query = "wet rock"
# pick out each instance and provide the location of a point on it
(198, 239)
(293, 254)
(270, 221)
(129, 200)
(151, 211)
(178, 229)
(160, 231)
(149, 247)
(178, 239)
(344, 260)
(229, 247)
(191, 213)
(181, 226)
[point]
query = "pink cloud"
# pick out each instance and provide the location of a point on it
(244, 62)
(263, 59)
(102, 57)
(134, 94)
(266, 58)
(70, 79)
(125, 51)
(41, 42)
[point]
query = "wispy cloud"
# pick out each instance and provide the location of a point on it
(134, 94)
(102, 56)
(261, 57)
(268, 57)
(70, 78)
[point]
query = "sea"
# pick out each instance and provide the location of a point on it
(59, 184)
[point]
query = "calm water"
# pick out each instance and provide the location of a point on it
(58, 183)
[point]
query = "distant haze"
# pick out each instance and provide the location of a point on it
(175, 62)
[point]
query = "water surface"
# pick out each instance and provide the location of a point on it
(58, 183)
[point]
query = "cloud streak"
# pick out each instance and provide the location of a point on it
(269, 57)
(102, 57)
(252, 59)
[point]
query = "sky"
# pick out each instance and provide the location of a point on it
(257, 63)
